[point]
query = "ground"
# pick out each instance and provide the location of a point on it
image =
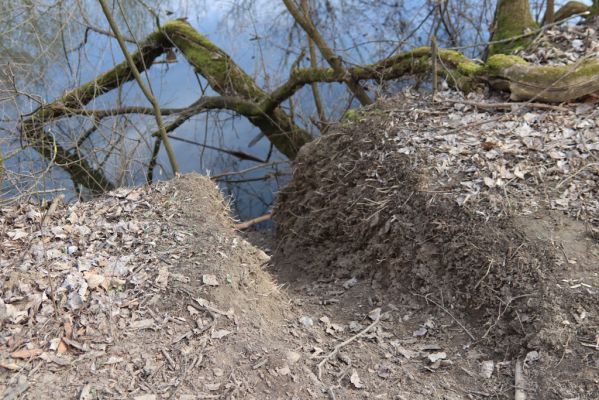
(477, 242)
(425, 249)
(150, 293)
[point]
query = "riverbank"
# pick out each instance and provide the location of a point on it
(423, 250)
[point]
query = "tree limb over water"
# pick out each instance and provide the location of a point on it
(239, 93)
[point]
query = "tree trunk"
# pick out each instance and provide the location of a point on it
(512, 19)
(549, 16)
(594, 9)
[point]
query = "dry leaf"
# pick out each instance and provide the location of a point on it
(434, 357)
(220, 334)
(9, 365)
(210, 280)
(142, 324)
(26, 353)
(62, 347)
(355, 380)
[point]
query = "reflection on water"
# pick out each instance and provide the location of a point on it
(259, 37)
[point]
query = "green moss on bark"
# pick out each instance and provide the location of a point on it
(228, 79)
(215, 65)
(496, 64)
(569, 9)
(512, 19)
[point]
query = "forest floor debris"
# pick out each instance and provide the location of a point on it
(482, 220)
(149, 293)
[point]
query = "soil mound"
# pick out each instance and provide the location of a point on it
(360, 207)
(144, 293)
(357, 208)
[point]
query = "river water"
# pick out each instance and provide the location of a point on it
(256, 35)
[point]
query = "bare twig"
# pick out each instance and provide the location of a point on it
(520, 394)
(254, 221)
(576, 173)
(333, 59)
(250, 169)
(242, 155)
(435, 66)
(345, 343)
(314, 64)
(157, 113)
(448, 313)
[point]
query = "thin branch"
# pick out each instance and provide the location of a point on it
(236, 153)
(314, 64)
(250, 169)
(247, 224)
(153, 160)
(427, 298)
(333, 59)
(345, 343)
(167, 146)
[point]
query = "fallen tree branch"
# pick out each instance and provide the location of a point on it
(240, 94)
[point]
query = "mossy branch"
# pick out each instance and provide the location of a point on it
(333, 59)
(570, 9)
(226, 78)
(240, 94)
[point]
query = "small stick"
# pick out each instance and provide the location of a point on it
(485, 275)
(591, 345)
(576, 173)
(450, 314)
(168, 357)
(345, 343)
(54, 205)
(243, 171)
(331, 394)
(244, 225)
(520, 394)
(435, 66)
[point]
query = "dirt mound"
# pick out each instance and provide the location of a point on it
(393, 282)
(359, 208)
(143, 292)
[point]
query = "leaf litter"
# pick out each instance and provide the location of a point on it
(123, 297)
(465, 216)
(119, 297)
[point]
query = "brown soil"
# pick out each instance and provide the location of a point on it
(163, 332)
(426, 299)
(498, 288)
